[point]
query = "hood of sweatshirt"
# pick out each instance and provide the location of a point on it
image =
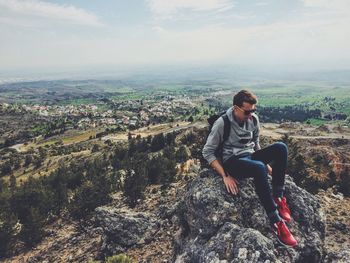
(241, 140)
(248, 126)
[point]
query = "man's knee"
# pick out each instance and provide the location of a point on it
(259, 169)
(280, 148)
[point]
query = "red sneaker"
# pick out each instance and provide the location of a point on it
(283, 208)
(283, 234)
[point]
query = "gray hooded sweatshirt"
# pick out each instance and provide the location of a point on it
(242, 140)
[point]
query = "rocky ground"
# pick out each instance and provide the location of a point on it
(69, 241)
(218, 226)
(336, 208)
(65, 241)
(304, 131)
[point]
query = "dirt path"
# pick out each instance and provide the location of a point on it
(153, 130)
(275, 131)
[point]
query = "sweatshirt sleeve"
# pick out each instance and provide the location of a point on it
(256, 134)
(213, 141)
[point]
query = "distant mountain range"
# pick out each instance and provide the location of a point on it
(180, 72)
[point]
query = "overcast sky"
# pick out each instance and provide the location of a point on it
(306, 34)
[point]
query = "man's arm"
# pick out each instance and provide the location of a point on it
(217, 167)
(214, 140)
(256, 134)
(230, 182)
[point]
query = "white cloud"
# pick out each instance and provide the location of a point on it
(262, 3)
(312, 44)
(314, 36)
(324, 8)
(164, 9)
(158, 29)
(333, 4)
(49, 11)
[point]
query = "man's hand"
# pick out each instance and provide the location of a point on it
(231, 184)
(269, 169)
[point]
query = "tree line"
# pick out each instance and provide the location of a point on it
(78, 187)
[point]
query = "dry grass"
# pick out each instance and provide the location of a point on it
(147, 131)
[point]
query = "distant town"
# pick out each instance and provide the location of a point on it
(127, 114)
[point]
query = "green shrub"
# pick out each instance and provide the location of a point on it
(345, 182)
(7, 232)
(121, 258)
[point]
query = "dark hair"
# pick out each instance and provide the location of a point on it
(244, 96)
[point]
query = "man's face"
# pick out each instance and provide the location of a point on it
(244, 112)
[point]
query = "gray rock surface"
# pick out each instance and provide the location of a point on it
(219, 227)
(338, 257)
(124, 229)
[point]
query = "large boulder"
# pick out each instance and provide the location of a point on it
(124, 229)
(219, 227)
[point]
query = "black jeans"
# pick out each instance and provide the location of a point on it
(254, 165)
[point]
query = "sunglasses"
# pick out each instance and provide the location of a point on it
(247, 112)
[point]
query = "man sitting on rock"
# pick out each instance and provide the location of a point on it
(241, 157)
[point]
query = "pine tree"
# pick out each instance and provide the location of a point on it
(28, 160)
(158, 142)
(170, 138)
(32, 230)
(156, 169)
(95, 148)
(58, 184)
(6, 168)
(169, 164)
(2, 185)
(181, 154)
(345, 181)
(7, 231)
(136, 179)
(12, 182)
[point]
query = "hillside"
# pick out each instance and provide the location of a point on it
(68, 237)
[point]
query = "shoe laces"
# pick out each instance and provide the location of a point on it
(284, 205)
(282, 229)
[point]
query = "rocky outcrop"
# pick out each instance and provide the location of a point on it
(124, 229)
(218, 227)
(337, 241)
(209, 225)
(338, 257)
(325, 161)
